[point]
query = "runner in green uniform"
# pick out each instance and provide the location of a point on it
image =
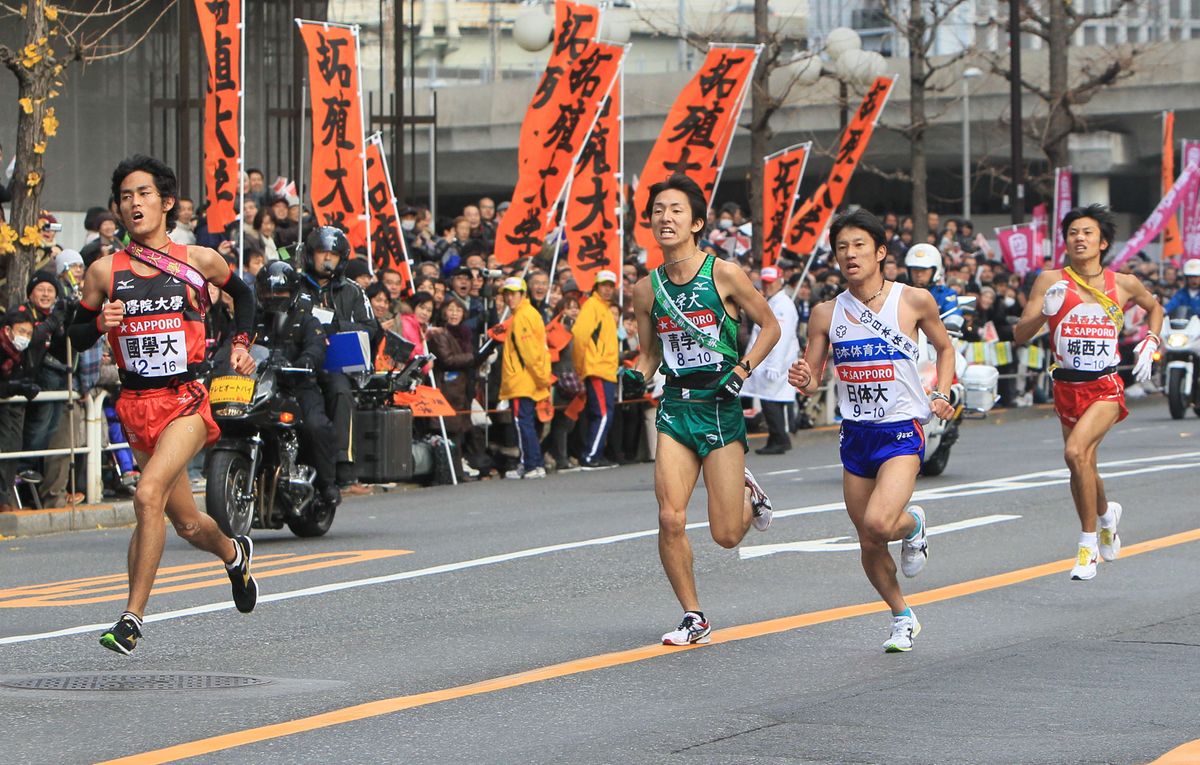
(691, 304)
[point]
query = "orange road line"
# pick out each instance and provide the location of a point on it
(290, 565)
(1187, 754)
(67, 584)
(618, 658)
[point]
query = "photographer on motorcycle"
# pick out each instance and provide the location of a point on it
(1189, 296)
(290, 331)
(924, 265)
(341, 306)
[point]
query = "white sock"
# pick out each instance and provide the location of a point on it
(133, 618)
(1087, 539)
(1109, 519)
(237, 556)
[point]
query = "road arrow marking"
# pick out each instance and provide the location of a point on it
(839, 544)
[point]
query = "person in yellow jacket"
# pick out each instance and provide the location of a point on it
(595, 351)
(525, 377)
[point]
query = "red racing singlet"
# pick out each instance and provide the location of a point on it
(163, 329)
(1082, 335)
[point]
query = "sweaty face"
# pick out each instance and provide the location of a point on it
(671, 219)
(142, 208)
(1084, 239)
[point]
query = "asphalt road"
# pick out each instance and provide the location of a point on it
(517, 622)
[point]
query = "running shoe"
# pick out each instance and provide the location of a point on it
(520, 472)
(760, 503)
(122, 637)
(1110, 543)
(597, 464)
(245, 589)
(914, 553)
(904, 629)
(1085, 563)
(691, 630)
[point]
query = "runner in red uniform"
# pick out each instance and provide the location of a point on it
(1084, 304)
(150, 299)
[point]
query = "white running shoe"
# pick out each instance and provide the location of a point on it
(760, 503)
(690, 630)
(520, 472)
(1085, 563)
(904, 630)
(1110, 543)
(914, 553)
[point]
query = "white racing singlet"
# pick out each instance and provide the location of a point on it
(875, 381)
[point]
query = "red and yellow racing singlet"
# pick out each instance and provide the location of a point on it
(1083, 335)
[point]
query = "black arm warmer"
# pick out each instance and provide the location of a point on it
(83, 330)
(243, 304)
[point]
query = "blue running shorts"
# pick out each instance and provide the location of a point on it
(865, 446)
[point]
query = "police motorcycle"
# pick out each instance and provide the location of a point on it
(973, 392)
(1181, 351)
(254, 475)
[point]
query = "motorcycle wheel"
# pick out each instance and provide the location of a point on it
(316, 521)
(936, 464)
(1176, 398)
(227, 473)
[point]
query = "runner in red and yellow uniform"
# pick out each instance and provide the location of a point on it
(1084, 304)
(150, 300)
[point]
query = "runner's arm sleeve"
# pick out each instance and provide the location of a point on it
(84, 331)
(243, 304)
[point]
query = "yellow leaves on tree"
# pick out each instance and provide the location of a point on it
(51, 13)
(50, 123)
(8, 239)
(32, 55)
(32, 179)
(31, 238)
(26, 105)
(39, 148)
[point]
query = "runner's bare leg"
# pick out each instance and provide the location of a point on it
(676, 469)
(729, 509)
(877, 510)
(1081, 444)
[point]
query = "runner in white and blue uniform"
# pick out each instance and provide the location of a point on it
(873, 328)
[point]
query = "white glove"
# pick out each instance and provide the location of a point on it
(1055, 295)
(1145, 358)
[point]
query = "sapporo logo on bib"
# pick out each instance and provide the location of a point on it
(680, 349)
(154, 347)
(1087, 338)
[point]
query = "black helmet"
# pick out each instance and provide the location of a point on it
(276, 283)
(325, 239)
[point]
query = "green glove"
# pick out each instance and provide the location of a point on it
(633, 383)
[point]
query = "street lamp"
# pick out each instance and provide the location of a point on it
(970, 74)
(847, 62)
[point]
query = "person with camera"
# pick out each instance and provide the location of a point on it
(295, 337)
(16, 333)
(340, 306)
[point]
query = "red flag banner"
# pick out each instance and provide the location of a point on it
(1017, 247)
(541, 181)
(387, 239)
(782, 172)
(575, 25)
(425, 401)
(1191, 205)
(220, 29)
(337, 189)
(809, 222)
(1154, 225)
(697, 133)
(594, 205)
(1172, 245)
(1062, 205)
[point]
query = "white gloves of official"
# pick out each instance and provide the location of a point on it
(1144, 352)
(1052, 302)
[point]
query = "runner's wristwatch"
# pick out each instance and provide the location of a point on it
(938, 394)
(746, 366)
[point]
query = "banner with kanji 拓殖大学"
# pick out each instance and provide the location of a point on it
(1062, 206)
(696, 135)
(782, 172)
(552, 154)
(1172, 243)
(388, 249)
(1190, 207)
(809, 221)
(220, 29)
(575, 25)
(337, 187)
(593, 212)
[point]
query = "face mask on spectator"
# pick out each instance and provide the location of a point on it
(724, 224)
(20, 342)
(1009, 302)
(408, 225)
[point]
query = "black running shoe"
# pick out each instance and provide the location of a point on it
(122, 637)
(245, 589)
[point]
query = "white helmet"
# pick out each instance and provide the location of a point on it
(1192, 267)
(924, 255)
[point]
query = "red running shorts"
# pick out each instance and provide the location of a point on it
(1072, 399)
(145, 414)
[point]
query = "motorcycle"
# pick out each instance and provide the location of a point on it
(972, 394)
(1181, 349)
(253, 473)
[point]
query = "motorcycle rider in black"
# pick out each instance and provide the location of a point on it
(341, 306)
(284, 324)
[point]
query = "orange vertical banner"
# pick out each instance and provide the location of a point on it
(594, 205)
(387, 239)
(809, 222)
(782, 172)
(697, 132)
(337, 186)
(220, 29)
(553, 154)
(1172, 244)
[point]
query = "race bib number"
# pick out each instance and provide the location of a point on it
(1087, 340)
(680, 350)
(154, 347)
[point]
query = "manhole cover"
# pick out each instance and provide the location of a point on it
(126, 681)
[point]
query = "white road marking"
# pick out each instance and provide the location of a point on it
(992, 486)
(838, 544)
(810, 467)
(783, 472)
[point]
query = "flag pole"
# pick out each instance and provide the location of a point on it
(241, 139)
(362, 116)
